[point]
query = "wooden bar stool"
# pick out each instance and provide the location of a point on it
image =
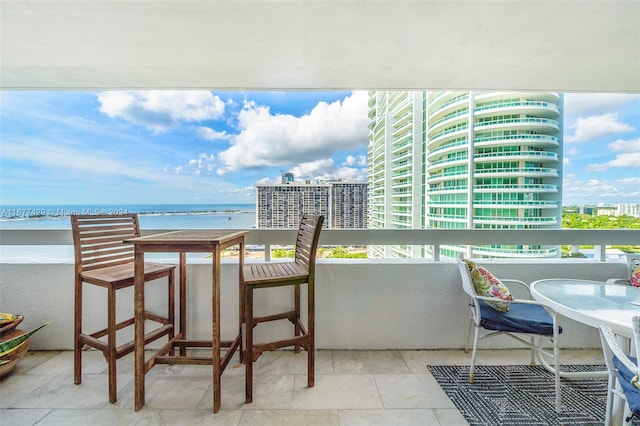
(102, 259)
(277, 274)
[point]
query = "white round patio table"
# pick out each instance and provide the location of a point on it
(591, 302)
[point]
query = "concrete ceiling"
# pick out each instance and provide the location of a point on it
(586, 45)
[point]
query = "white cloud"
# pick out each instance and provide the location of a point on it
(160, 110)
(629, 156)
(630, 181)
(245, 192)
(577, 191)
(621, 145)
(596, 126)
(568, 155)
(72, 159)
(360, 160)
(204, 163)
(229, 193)
(284, 140)
(314, 169)
(585, 104)
(212, 135)
(350, 174)
(627, 160)
(95, 167)
(327, 169)
(268, 181)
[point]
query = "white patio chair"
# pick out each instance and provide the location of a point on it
(623, 370)
(525, 319)
(633, 271)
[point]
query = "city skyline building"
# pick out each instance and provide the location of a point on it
(458, 160)
(620, 209)
(344, 204)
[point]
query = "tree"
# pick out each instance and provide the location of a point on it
(585, 221)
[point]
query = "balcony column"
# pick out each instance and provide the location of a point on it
(470, 163)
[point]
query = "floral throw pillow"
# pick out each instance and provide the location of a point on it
(634, 279)
(488, 285)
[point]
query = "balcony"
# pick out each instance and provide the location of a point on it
(539, 156)
(446, 148)
(540, 172)
(542, 125)
(526, 187)
(521, 107)
(394, 310)
(534, 140)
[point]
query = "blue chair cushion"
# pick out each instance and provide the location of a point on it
(631, 392)
(520, 318)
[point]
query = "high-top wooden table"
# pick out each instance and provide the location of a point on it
(182, 242)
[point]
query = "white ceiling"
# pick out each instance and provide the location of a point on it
(561, 45)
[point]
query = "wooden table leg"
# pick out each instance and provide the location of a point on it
(215, 309)
(183, 300)
(139, 328)
(241, 299)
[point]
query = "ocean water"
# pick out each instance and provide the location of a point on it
(151, 216)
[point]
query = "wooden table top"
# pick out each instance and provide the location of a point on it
(191, 236)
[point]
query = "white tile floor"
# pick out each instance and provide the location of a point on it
(351, 388)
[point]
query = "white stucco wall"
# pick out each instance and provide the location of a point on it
(360, 304)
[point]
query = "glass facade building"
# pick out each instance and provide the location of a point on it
(464, 160)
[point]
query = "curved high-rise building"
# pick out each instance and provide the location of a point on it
(458, 160)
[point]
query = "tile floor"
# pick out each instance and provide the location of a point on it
(352, 388)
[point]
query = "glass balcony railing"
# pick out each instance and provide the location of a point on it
(449, 118)
(433, 103)
(519, 187)
(519, 121)
(448, 188)
(519, 203)
(520, 171)
(496, 219)
(537, 155)
(552, 140)
(446, 147)
(451, 160)
(517, 104)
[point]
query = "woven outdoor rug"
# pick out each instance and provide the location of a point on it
(523, 395)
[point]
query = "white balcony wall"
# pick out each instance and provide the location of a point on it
(360, 304)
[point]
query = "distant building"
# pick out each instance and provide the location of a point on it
(287, 178)
(586, 210)
(348, 204)
(607, 211)
(344, 204)
(610, 253)
(628, 209)
(616, 209)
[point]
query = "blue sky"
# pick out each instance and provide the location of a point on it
(143, 147)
